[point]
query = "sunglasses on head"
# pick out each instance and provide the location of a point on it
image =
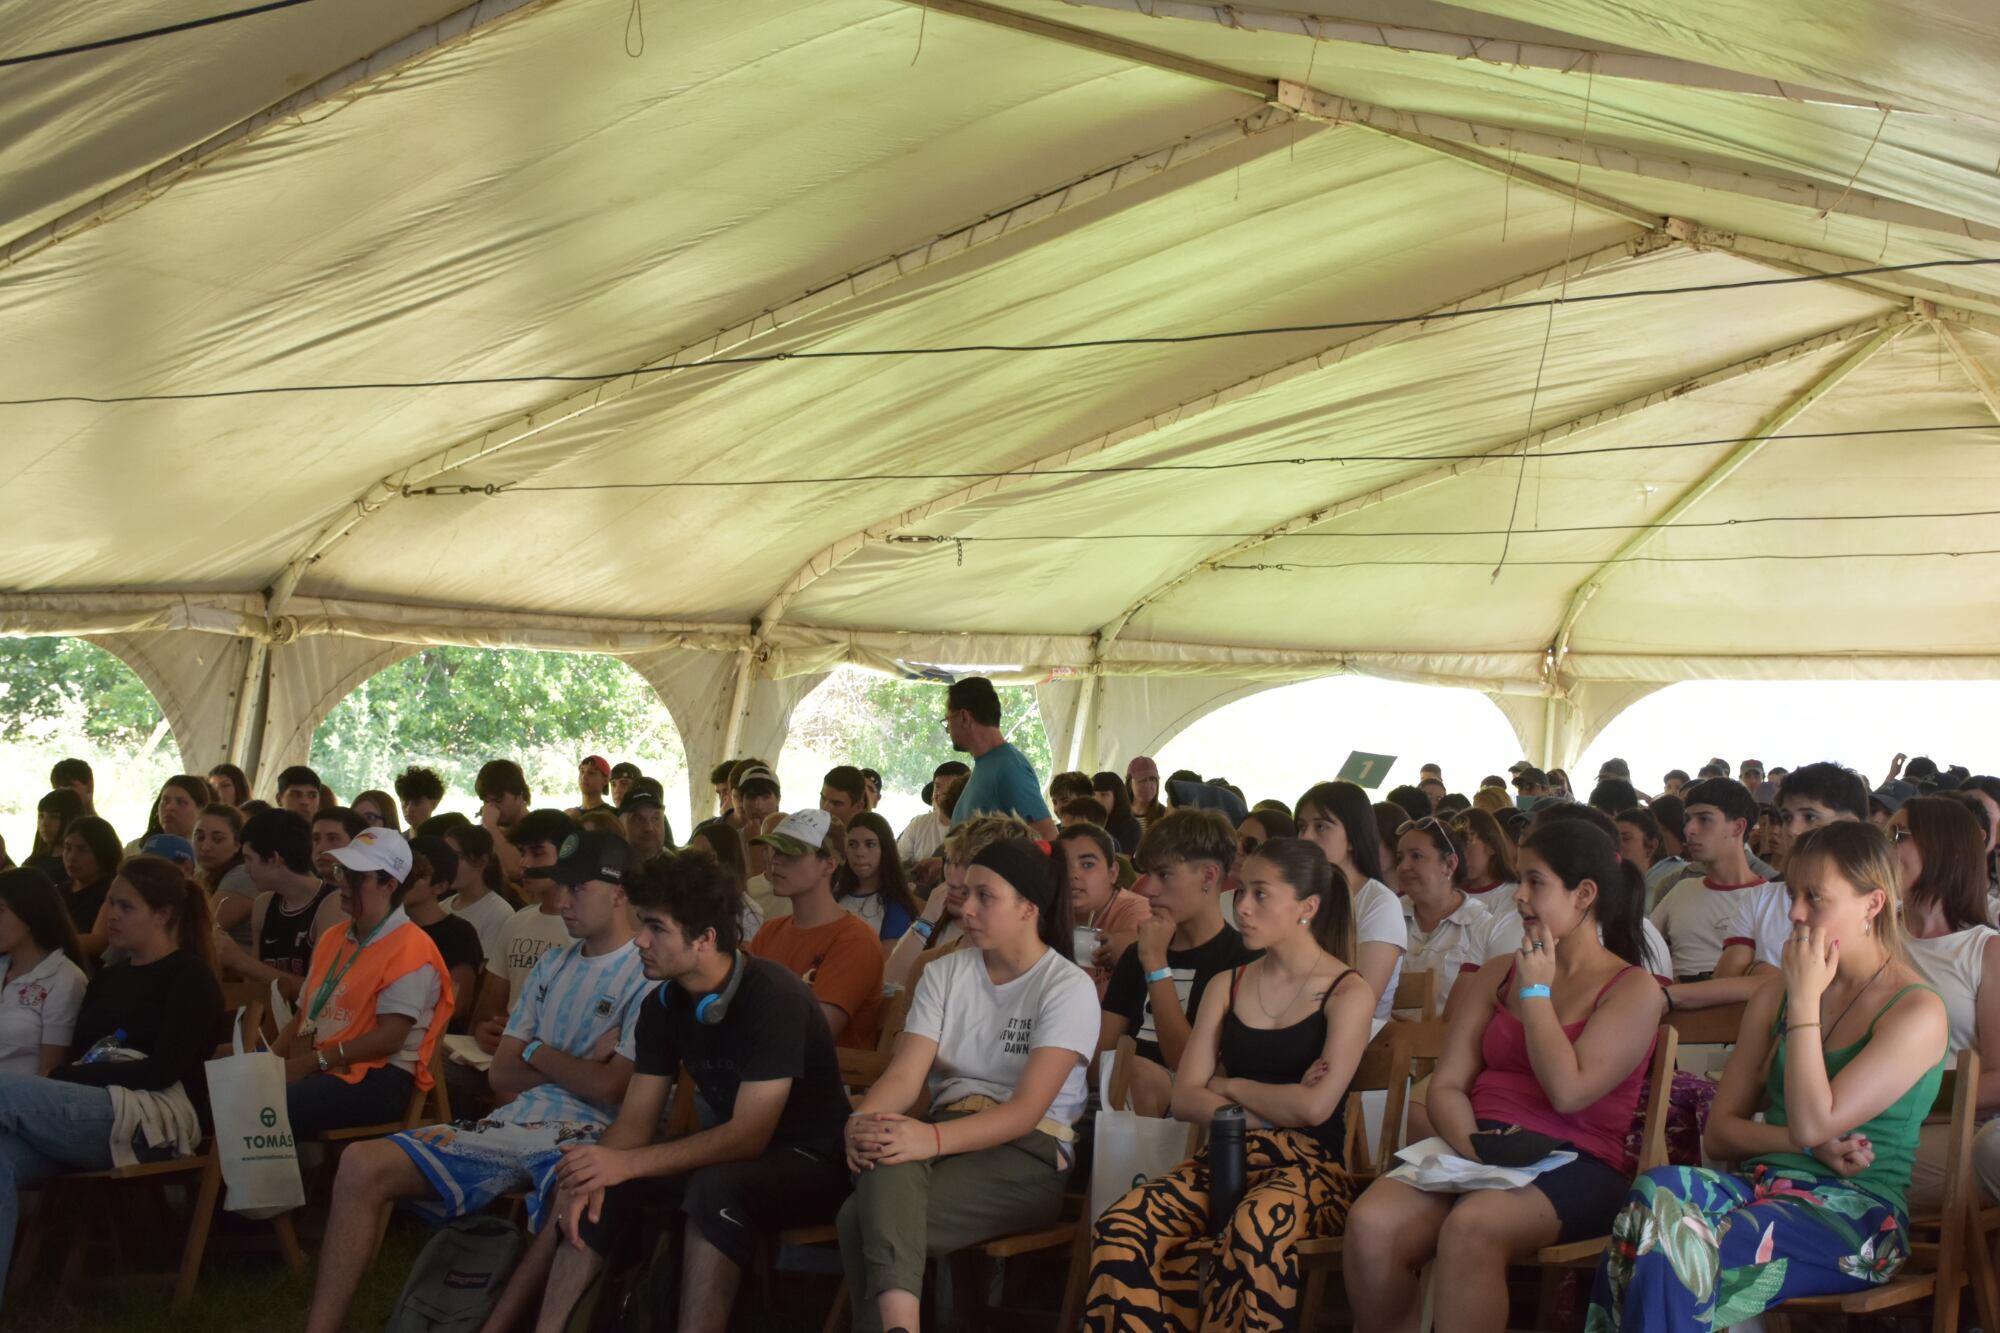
(1432, 821)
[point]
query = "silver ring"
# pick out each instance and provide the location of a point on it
(1538, 946)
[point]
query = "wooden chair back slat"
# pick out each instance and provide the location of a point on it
(1707, 1027)
(1416, 994)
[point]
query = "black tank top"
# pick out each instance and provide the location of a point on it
(1283, 1055)
(286, 941)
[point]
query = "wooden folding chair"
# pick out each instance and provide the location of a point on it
(1553, 1260)
(1935, 1271)
(204, 1165)
(430, 1106)
(1385, 1067)
(1416, 996)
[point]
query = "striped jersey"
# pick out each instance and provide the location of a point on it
(569, 1002)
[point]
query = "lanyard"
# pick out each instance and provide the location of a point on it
(334, 974)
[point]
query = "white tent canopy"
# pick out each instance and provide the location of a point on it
(1741, 480)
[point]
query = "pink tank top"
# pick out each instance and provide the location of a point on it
(1508, 1091)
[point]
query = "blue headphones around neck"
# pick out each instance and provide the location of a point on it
(714, 1007)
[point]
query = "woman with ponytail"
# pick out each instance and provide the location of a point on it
(158, 1011)
(1554, 1041)
(1289, 1030)
(1845, 1058)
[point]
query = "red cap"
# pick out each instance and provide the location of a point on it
(598, 762)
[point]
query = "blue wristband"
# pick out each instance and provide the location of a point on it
(1533, 992)
(923, 928)
(1159, 974)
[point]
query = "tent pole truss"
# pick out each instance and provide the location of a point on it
(1796, 190)
(1220, 145)
(1500, 53)
(1502, 453)
(322, 98)
(1975, 370)
(1715, 476)
(830, 558)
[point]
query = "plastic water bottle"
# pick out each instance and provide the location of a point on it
(103, 1049)
(1225, 1167)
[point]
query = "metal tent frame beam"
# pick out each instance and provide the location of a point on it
(1714, 477)
(837, 553)
(1502, 453)
(1118, 179)
(1497, 52)
(1759, 184)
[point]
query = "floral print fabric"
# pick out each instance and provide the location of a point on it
(1701, 1249)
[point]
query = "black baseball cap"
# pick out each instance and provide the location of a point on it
(627, 769)
(640, 798)
(587, 855)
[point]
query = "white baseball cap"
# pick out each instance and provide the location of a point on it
(800, 834)
(381, 849)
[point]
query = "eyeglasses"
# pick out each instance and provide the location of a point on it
(1900, 834)
(1432, 821)
(356, 878)
(374, 819)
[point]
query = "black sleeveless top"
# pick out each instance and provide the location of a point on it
(286, 941)
(1283, 1055)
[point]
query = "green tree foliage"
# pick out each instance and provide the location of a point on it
(44, 681)
(455, 708)
(896, 727)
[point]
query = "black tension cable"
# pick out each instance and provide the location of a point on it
(490, 489)
(126, 39)
(955, 349)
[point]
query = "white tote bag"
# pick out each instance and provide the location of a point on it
(253, 1131)
(1129, 1149)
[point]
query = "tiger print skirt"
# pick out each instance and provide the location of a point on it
(1153, 1266)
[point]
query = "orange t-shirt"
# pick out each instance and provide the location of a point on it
(842, 963)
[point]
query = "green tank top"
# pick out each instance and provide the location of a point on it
(1893, 1132)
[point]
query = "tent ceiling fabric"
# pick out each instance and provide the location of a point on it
(368, 192)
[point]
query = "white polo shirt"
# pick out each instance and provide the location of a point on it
(1457, 941)
(37, 1009)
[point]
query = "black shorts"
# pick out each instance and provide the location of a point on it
(1587, 1193)
(734, 1204)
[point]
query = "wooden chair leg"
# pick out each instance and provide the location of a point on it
(288, 1244)
(198, 1224)
(79, 1241)
(840, 1316)
(1078, 1285)
(1980, 1272)
(28, 1254)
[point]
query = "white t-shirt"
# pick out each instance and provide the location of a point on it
(1498, 899)
(1378, 919)
(1697, 916)
(1449, 946)
(1502, 934)
(414, 995)
(37, 1009)
(985, 1032)
(1954, 964)
(921, 838)
(490, 916)
(531, 932)
(1764, 918)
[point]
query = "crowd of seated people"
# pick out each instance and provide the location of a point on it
(986, 955)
